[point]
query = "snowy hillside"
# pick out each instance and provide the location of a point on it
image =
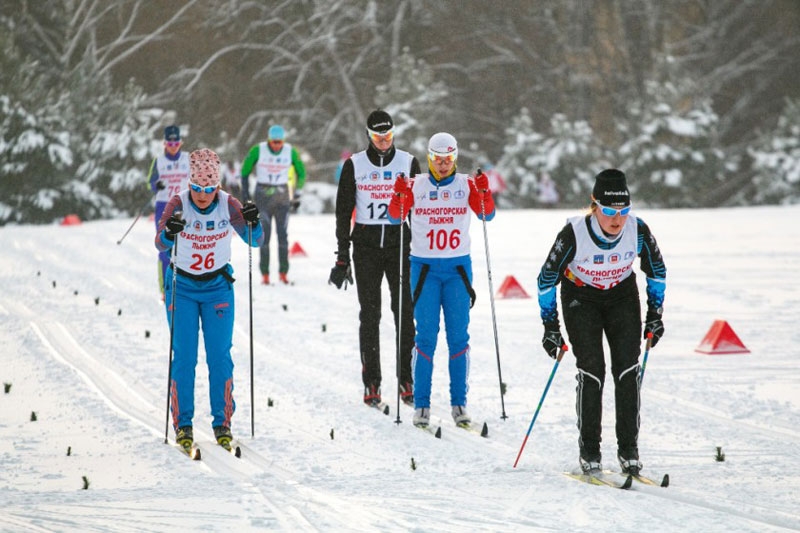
(85, 347)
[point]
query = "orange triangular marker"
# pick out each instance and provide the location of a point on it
(297, 250)
(511, 288)
(71, 220)
(721, 339)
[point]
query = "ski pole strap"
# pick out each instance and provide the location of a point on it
(423, 273)
(467, 284)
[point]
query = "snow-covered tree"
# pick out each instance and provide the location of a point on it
(72, 142)
(671, 151)
(569, 153)
(776, 160)
(415, 100)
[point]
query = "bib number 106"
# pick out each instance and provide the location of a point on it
(442, 239)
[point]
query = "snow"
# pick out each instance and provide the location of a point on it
(76, 308)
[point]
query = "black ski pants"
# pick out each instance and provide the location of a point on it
(589, 314)
(371, 265)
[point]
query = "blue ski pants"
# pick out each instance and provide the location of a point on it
(206, 304)
(443, 290)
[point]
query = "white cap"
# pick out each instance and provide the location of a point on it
(443, 144)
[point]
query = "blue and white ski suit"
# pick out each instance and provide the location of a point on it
(441, 277)
(172, 172)
(204, 296)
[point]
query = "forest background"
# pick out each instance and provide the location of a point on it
(698, 101)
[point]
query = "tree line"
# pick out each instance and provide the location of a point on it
(697, 101)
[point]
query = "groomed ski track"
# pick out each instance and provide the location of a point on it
(290, 494)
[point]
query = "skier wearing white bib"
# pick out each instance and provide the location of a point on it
(593, 258)
(167, 177)
(204, 219)
(365, 186)
(440, 203)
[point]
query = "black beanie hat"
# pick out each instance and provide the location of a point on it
(611, 188)
(380, 121)
(172, 133)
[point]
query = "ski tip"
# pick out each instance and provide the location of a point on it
(386, 409)
(438, 433)
(665, 481)
(196, 455)
(485, 430)
(237, 452)
(628, 482)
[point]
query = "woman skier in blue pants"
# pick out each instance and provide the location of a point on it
(199, 222)
(441, 268)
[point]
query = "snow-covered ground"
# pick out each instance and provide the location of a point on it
(76, 309)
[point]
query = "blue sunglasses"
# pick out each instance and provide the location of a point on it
(610, 211)
(207, 190)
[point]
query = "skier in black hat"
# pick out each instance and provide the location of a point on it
(594, 255)
(366, 186)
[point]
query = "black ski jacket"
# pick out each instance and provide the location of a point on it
(372, 235)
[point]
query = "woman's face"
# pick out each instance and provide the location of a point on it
(203, 195)
(610, 224)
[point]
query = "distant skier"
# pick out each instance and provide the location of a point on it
(167, 176)
(271, 162)
(593, 258)
(439, 203)
(203, 218)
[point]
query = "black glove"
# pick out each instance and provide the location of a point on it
(295, 203)
(341, 273)
(653, 324)
(552, 341)
(160, 185)
(250, 214)
(174, 226)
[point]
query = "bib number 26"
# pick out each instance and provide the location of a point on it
(201, 262)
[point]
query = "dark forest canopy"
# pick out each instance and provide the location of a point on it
(696, 100)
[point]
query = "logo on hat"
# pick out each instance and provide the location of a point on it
(172, 133)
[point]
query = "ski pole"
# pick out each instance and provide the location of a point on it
(400, 304)
(250, 283)
(135, 220)
(491, 299)
(563, 349)
(647, 347)
(173, 256)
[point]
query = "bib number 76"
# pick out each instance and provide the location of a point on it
(442, 239)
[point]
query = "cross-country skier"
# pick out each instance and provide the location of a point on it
(272, 161)
(365, 185)
(593, 258)
(167, 177)
(204, 219)
(439, 203)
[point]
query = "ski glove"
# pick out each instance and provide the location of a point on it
(552, 341)
(174, 226)
(250, 214)
(295, 203)
(401, 186)
(341, 274)
(482, 182)
(653, 324)
(160, 185)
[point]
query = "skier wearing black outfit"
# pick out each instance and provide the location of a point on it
(366, 186)
(593, 258)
